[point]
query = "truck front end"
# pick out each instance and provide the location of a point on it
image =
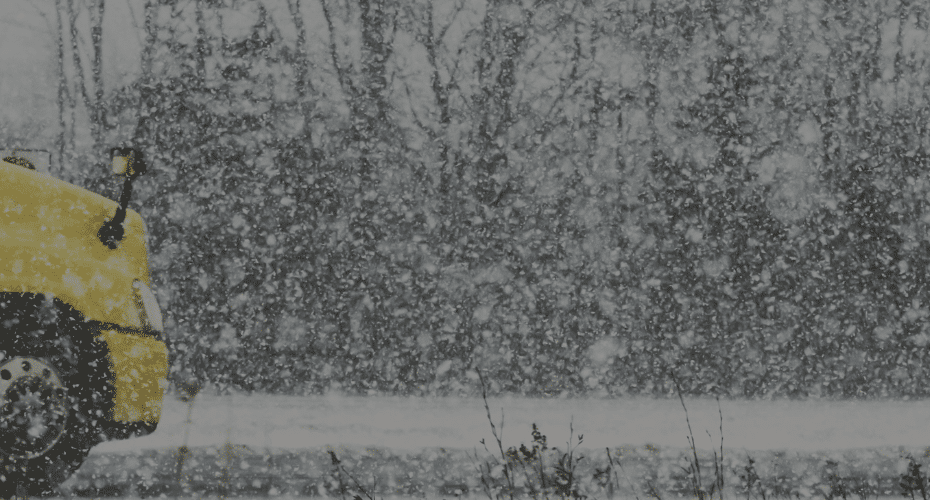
(83, 352)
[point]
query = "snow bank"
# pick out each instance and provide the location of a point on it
(397, 423)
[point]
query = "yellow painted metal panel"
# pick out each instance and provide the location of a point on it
(140, 368)
(49, 244)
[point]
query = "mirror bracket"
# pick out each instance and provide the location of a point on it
(129, 164)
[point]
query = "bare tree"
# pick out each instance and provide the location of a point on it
(302, 62)
(63, 94)
(94, 108)
(147, 96)
(432, 40)
(201, 43)
(365, 91)
(96, 31)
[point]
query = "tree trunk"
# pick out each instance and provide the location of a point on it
(201, 44)
(302, 62)
(80, 80)
(366, 96)
(375, 53)
(97, 40)
(62, 87)
(142, 134)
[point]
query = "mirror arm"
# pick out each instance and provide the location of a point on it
(111, 233)
(129, 163)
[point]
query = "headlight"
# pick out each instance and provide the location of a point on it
(150, 307)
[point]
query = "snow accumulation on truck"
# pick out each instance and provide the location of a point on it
(83, 353)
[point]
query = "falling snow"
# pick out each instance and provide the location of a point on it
(591, 200)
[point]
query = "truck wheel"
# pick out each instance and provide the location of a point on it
(54, 391)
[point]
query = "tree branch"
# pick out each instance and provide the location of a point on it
(97, 41)
(141, 133)
(345, 85)
(78, 66)
(62, 85)
(303, 62)
(440, 91)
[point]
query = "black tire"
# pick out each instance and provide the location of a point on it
(57, 335)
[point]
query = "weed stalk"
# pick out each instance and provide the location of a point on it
(339, 470)
(505, 464)
(608, 476)
(694, 467)
(914, 480)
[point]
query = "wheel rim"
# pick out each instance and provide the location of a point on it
(34, 408)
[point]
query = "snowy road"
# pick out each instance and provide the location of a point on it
(281, 422)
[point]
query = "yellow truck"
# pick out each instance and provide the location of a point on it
(83, 352)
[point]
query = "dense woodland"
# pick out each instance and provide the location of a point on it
(582, 197)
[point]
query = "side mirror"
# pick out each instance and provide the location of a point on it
(128, 163)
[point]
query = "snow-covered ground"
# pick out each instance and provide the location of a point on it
(262, 446)
(399, 423)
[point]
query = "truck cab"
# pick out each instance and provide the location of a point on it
(83, 351)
